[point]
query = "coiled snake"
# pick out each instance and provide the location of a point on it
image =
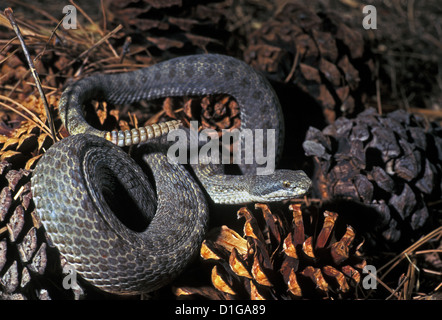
(99, 208)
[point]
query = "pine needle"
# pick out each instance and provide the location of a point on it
(9, 14)
(32, 118)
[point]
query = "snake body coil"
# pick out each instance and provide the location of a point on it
(140, 240)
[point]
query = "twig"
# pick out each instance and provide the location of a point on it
(410, 15)
(98, 43)
(26, 29)
(404, 99)
(427, 112)
(396, 260)
(6, 46)
(352, 4)
(378, 89)
(94, 24)
(19, 192)
(36, 9)
(53, 33)
(438, 273)
(411, 274)
(438, 287)
(432, 40)
(393, 294)
(428, 251)
(3, 230)
(293, 68)
(103, 11)
(44, 87)
(18, 82)
(9, 14)
(126, 48)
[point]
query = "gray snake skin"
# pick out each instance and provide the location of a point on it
(97, 205)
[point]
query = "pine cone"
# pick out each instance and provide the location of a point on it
(281, 259)
(216, 112)
(171, 27)
(27, 263)
(317, 53)
(389, 163)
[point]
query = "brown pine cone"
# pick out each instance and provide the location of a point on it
(27, 262)
(389, 163)
(173, 27)
(316, 52)
(281, 257)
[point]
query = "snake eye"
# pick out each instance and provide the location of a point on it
(286, 184)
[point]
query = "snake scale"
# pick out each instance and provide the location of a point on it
(121, 232)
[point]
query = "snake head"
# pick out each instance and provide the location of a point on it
(280, 185)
